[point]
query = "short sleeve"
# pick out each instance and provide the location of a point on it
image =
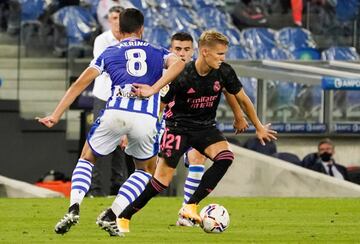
(170, 94)
(231, 81)
(99, 62)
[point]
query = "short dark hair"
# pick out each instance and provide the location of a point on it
(131, 20)
(326, 141)
(116, 9)
(182, 36)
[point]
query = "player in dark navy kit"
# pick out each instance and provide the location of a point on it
(190, 122)
(132, 60)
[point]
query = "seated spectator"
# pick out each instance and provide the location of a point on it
(326, 163)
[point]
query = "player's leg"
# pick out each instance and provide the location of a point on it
(173, 146)
(196, 170)
(143, 147)
(214, 145)
(96, 187)
(80, 184)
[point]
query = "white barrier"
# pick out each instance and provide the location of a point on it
(19, 189)
(254, 174)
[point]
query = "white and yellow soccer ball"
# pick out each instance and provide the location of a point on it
(214, 218)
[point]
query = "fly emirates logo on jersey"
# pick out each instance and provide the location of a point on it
(202, 102)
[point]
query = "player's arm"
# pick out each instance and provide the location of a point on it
(240, 123)
(262, 132)
(175, 66)
(71, 94)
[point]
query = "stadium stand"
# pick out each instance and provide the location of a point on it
(346, 103)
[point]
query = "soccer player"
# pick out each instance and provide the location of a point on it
(132, 60)
(190, 122)
(102, 92)
(182, 45)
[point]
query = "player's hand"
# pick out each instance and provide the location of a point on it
(48, 121)
(142, 90)
(266, 134)
(240, 125)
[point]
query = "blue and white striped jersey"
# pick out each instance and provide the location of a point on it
(132, 61)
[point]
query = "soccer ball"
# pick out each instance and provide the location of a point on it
(214, 218)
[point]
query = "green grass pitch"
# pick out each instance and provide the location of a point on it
(253, 220)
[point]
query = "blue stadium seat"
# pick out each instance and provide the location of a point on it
(201, 4)
(273, 54)
(182, 18)
(171, 3)
(214, 18)
(289, 157)
(139, 4)
(31, 10)
(78, 22)
(306, 53)
(291, 38)
(258, 40)
(340, 53)
(347, 10)
(237, 52)
(158, 35)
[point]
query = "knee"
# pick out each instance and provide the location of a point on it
(225, 158)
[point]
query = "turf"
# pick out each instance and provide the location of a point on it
(253, 220)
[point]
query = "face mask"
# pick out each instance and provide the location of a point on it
(325, 156)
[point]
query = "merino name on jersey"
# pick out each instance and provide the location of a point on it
(133, 43)
(132, 61)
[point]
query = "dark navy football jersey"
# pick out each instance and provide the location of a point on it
(193, 99)
(130, 61)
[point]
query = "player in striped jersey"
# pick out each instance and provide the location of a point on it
(132, 60)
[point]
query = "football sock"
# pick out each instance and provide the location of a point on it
(130, 190)
(153, 188)
(193, 180)
(212, 176)
(80, 181)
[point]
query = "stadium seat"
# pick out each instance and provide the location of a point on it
(254, 144)
(258, 40)
(158, 35)
(309, 160)
(289, 157)
(214, 18)
(306, 53)
(340, 53)
(183, 18)
(74, 28)
(237, 52)
(201, 4)
(78, 22)
(291, 38)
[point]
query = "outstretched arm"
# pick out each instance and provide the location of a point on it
(175, 66)
(240, 123)
(262, 132)
(74, 90)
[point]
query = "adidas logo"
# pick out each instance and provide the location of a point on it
(190, 91)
